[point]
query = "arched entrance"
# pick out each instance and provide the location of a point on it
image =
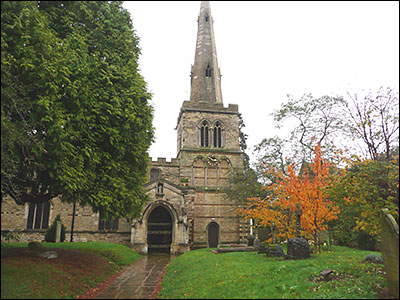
(213, 234)
(159, 230)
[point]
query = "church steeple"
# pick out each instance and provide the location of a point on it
(205, 75)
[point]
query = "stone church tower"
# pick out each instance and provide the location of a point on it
(188, 207)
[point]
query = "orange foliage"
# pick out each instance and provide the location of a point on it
(306, 189)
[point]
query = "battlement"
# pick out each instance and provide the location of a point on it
(207, 106)
(162, 161)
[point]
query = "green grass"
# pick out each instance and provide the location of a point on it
(119, 254)
(37, 278)
(202, 274)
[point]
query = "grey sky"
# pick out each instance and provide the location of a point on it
(265, 50)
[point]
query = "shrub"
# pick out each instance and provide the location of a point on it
(50, 235)
(374, 258)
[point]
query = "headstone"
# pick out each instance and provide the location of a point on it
(390, 251)
(274, 250)
(262, 249)
(298, 248)
(257, 244)
(250, 240)
(326, 274)
(58, 232)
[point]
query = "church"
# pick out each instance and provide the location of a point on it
(188, 207)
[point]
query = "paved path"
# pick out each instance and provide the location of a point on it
(139, 280)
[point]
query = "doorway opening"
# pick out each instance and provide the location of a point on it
(213, 235)
(159, 230)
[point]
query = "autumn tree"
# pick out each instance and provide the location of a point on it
(308, 189)
(75, 114)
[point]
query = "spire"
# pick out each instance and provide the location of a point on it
(205, 75)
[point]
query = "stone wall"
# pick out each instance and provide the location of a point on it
(14, 218)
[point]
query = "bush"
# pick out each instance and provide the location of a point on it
(50, 235)
(374, 258)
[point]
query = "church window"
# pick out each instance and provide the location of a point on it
(38, 216)
(154, 174)
(204, 135)
(206, 18)
(107, 224)
(217, 135)
(208, 71)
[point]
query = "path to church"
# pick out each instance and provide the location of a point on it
(139, 280)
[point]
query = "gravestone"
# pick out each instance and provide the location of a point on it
(390, 250)
(274, 251)
(298, 248)
(257, 244)
(58, 232)
(262, 249)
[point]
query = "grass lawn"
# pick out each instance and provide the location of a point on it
(79, 267)
(203, 274)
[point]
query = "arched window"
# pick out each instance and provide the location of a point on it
(154, 174)
(204, 135)
(217, 135)
(208, 71)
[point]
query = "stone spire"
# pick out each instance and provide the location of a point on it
(205, 75)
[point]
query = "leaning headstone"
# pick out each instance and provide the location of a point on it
(326, 274)
(274, 251)
(298, 248)
(390, 250)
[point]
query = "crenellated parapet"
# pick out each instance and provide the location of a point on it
(162, 161)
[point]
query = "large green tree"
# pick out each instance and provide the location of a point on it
(76, 118)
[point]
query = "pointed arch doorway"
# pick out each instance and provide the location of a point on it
(159, 230)
(213, 235)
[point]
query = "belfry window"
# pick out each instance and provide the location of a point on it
(208, 71)
(217, 135)
(206, 18)
(204, 135)
(154, 174)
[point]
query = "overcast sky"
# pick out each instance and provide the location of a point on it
(265, 50)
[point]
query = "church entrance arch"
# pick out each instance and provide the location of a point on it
(159, 230)
(213, 234)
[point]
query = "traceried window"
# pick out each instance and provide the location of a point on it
(38, 216)
(217, 135)
(208, 71)
(154, 174)
(204, 135)
(107, 224)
